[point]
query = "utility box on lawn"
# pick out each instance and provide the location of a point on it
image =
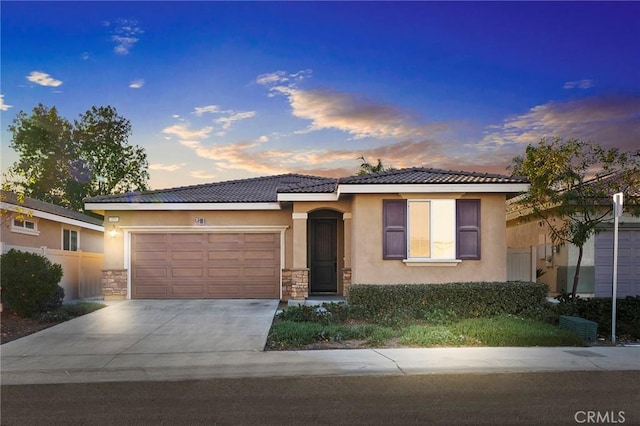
(586, 329)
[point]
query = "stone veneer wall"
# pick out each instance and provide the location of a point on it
(295, 284)
(114, 284)
(346, 281)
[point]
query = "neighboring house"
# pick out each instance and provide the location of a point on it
(291, 236)
(64, 236)
(529, 238)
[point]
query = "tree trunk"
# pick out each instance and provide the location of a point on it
(576, 276)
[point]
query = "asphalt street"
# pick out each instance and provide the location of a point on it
(550, 398)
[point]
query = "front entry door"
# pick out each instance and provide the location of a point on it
(324, 253)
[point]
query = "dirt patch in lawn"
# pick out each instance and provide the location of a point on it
(13, 327)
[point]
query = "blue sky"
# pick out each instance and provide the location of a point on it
(227, 90)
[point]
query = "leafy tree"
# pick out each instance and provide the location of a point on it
(8, 214)
(368, 168)
(572, 183)
(62, 163)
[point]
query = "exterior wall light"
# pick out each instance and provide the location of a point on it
(113, 232)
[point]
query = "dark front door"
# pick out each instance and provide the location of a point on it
(324, 253)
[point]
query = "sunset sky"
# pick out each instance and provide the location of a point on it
(227, 90)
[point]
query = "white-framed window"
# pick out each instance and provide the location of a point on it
(70, 240)
(24, 226)
(431, 226)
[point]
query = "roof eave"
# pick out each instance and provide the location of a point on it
(181, 206)
(510, 187)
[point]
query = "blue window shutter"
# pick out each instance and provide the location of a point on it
(468, 229)
(394, 218)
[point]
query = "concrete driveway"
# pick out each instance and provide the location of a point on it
(138, 331)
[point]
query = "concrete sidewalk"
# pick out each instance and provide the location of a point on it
(207, 365)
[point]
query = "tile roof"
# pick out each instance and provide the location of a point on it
(33, 204)
(420, 175)
(266, 189)
(252, 190)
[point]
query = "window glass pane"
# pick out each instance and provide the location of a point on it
(65, 239)
(74, 241)
(17, 222)
(30, 225)
(419, 238)
(443, 230)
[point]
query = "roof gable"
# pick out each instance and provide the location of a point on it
(53, 209)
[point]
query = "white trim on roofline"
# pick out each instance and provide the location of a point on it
(432, 188)
(50, 216)
(182, 206)
(309, 196)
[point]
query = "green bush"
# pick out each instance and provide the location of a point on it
(442, 302)
(599, 311)
(29, 283)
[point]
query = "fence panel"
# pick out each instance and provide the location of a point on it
(519, 264)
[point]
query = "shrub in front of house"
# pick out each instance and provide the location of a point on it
(30, 283)
(599, 310)
(440, 303)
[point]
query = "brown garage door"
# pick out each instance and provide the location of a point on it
(205, 265)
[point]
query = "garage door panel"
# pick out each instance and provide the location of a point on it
(259, 272)
(259, 255)
(260, 238)
(221, 290)
(186, 255)
(224, 254)
(187, 289)
(152, 238)
(186, 239)
(628, 263)
(206, 265)
(186, 272)
(151, 290)
(223, 238)
(151, 255)
(223, 272)
(150, 272)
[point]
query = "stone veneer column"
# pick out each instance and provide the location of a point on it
(114, 284)
(299, 271)
(346, 281)
(346, 270)
(299, 283)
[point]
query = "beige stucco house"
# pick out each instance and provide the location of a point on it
(290, 236)
(70, 238)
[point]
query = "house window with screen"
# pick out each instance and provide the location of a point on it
(69, 240)
(437, 229)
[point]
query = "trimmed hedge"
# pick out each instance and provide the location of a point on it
(30, 283)
(599, 310)
(464, 300)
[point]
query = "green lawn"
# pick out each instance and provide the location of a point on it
(496, 331)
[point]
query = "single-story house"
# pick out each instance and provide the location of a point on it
(290, 236)
(70, 238)
(558, 262)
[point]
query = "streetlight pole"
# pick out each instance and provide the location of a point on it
(618, 200)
